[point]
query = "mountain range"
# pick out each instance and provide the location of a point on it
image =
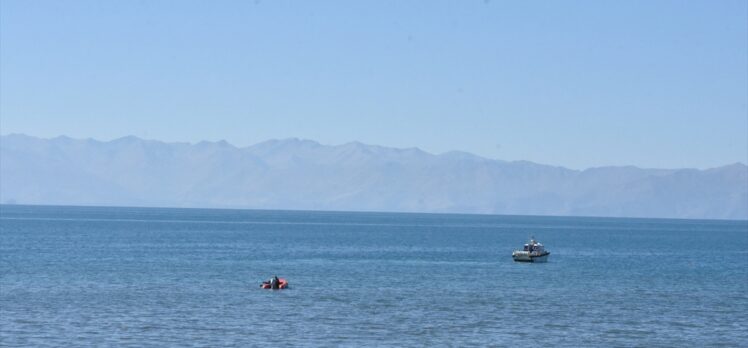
(305, 175)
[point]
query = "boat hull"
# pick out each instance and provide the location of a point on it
(282, 284)
(520, 256)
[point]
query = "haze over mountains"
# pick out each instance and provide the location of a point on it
(303, 174)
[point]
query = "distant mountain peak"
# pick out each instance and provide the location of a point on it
(127, 139)
(287, 142)
(297, 173)
(220, 143)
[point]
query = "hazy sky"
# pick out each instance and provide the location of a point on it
(572, 83)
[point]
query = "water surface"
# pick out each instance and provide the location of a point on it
(75, 276)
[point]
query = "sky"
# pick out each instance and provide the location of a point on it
(659, 84)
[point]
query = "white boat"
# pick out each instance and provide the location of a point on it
(532, 252)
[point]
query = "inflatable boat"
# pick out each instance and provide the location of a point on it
(282, 284)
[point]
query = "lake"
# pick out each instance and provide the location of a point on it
(98, 276)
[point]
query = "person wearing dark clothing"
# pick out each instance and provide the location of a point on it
(274, 282)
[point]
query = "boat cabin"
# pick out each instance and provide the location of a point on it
(534, 247)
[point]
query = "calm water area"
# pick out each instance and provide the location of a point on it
(96, 276)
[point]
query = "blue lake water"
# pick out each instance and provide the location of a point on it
(81, 276)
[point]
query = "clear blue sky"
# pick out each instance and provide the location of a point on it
(572, 83)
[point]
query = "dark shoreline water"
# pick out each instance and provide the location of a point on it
(72, 276)
(87, 209)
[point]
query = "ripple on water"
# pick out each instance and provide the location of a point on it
(78, 277)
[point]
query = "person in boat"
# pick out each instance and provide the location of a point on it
(274, 282)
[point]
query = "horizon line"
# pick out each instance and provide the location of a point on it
(368, 212)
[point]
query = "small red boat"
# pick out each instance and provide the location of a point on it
(282, 284)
